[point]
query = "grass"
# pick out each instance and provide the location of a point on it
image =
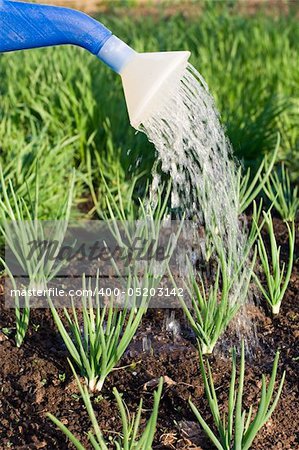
(132, 438)
(237, 428)
(276, 273)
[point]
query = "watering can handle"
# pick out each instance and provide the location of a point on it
(31, 25)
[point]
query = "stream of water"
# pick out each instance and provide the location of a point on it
(193, 150)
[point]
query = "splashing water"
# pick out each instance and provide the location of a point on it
(193, 150)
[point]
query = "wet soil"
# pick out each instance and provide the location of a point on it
(36, 379)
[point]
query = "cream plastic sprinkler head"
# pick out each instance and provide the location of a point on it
(146, 77)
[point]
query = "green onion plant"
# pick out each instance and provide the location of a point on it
(248, 190)
(106, 332)
(109, 181)
(277, 274)
(21, 306)
(131, 437)
(20, 227)
(211, 311)
(147, 224)
(97, 342)
(144, 222)
(256, 215)
(237, 429)
(283, 196)
(257, 223)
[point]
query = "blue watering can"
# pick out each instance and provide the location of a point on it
(145, 76)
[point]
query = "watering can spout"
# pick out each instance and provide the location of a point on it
(145, 76)
(149, 80)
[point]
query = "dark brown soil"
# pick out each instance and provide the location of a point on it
(36, 379)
